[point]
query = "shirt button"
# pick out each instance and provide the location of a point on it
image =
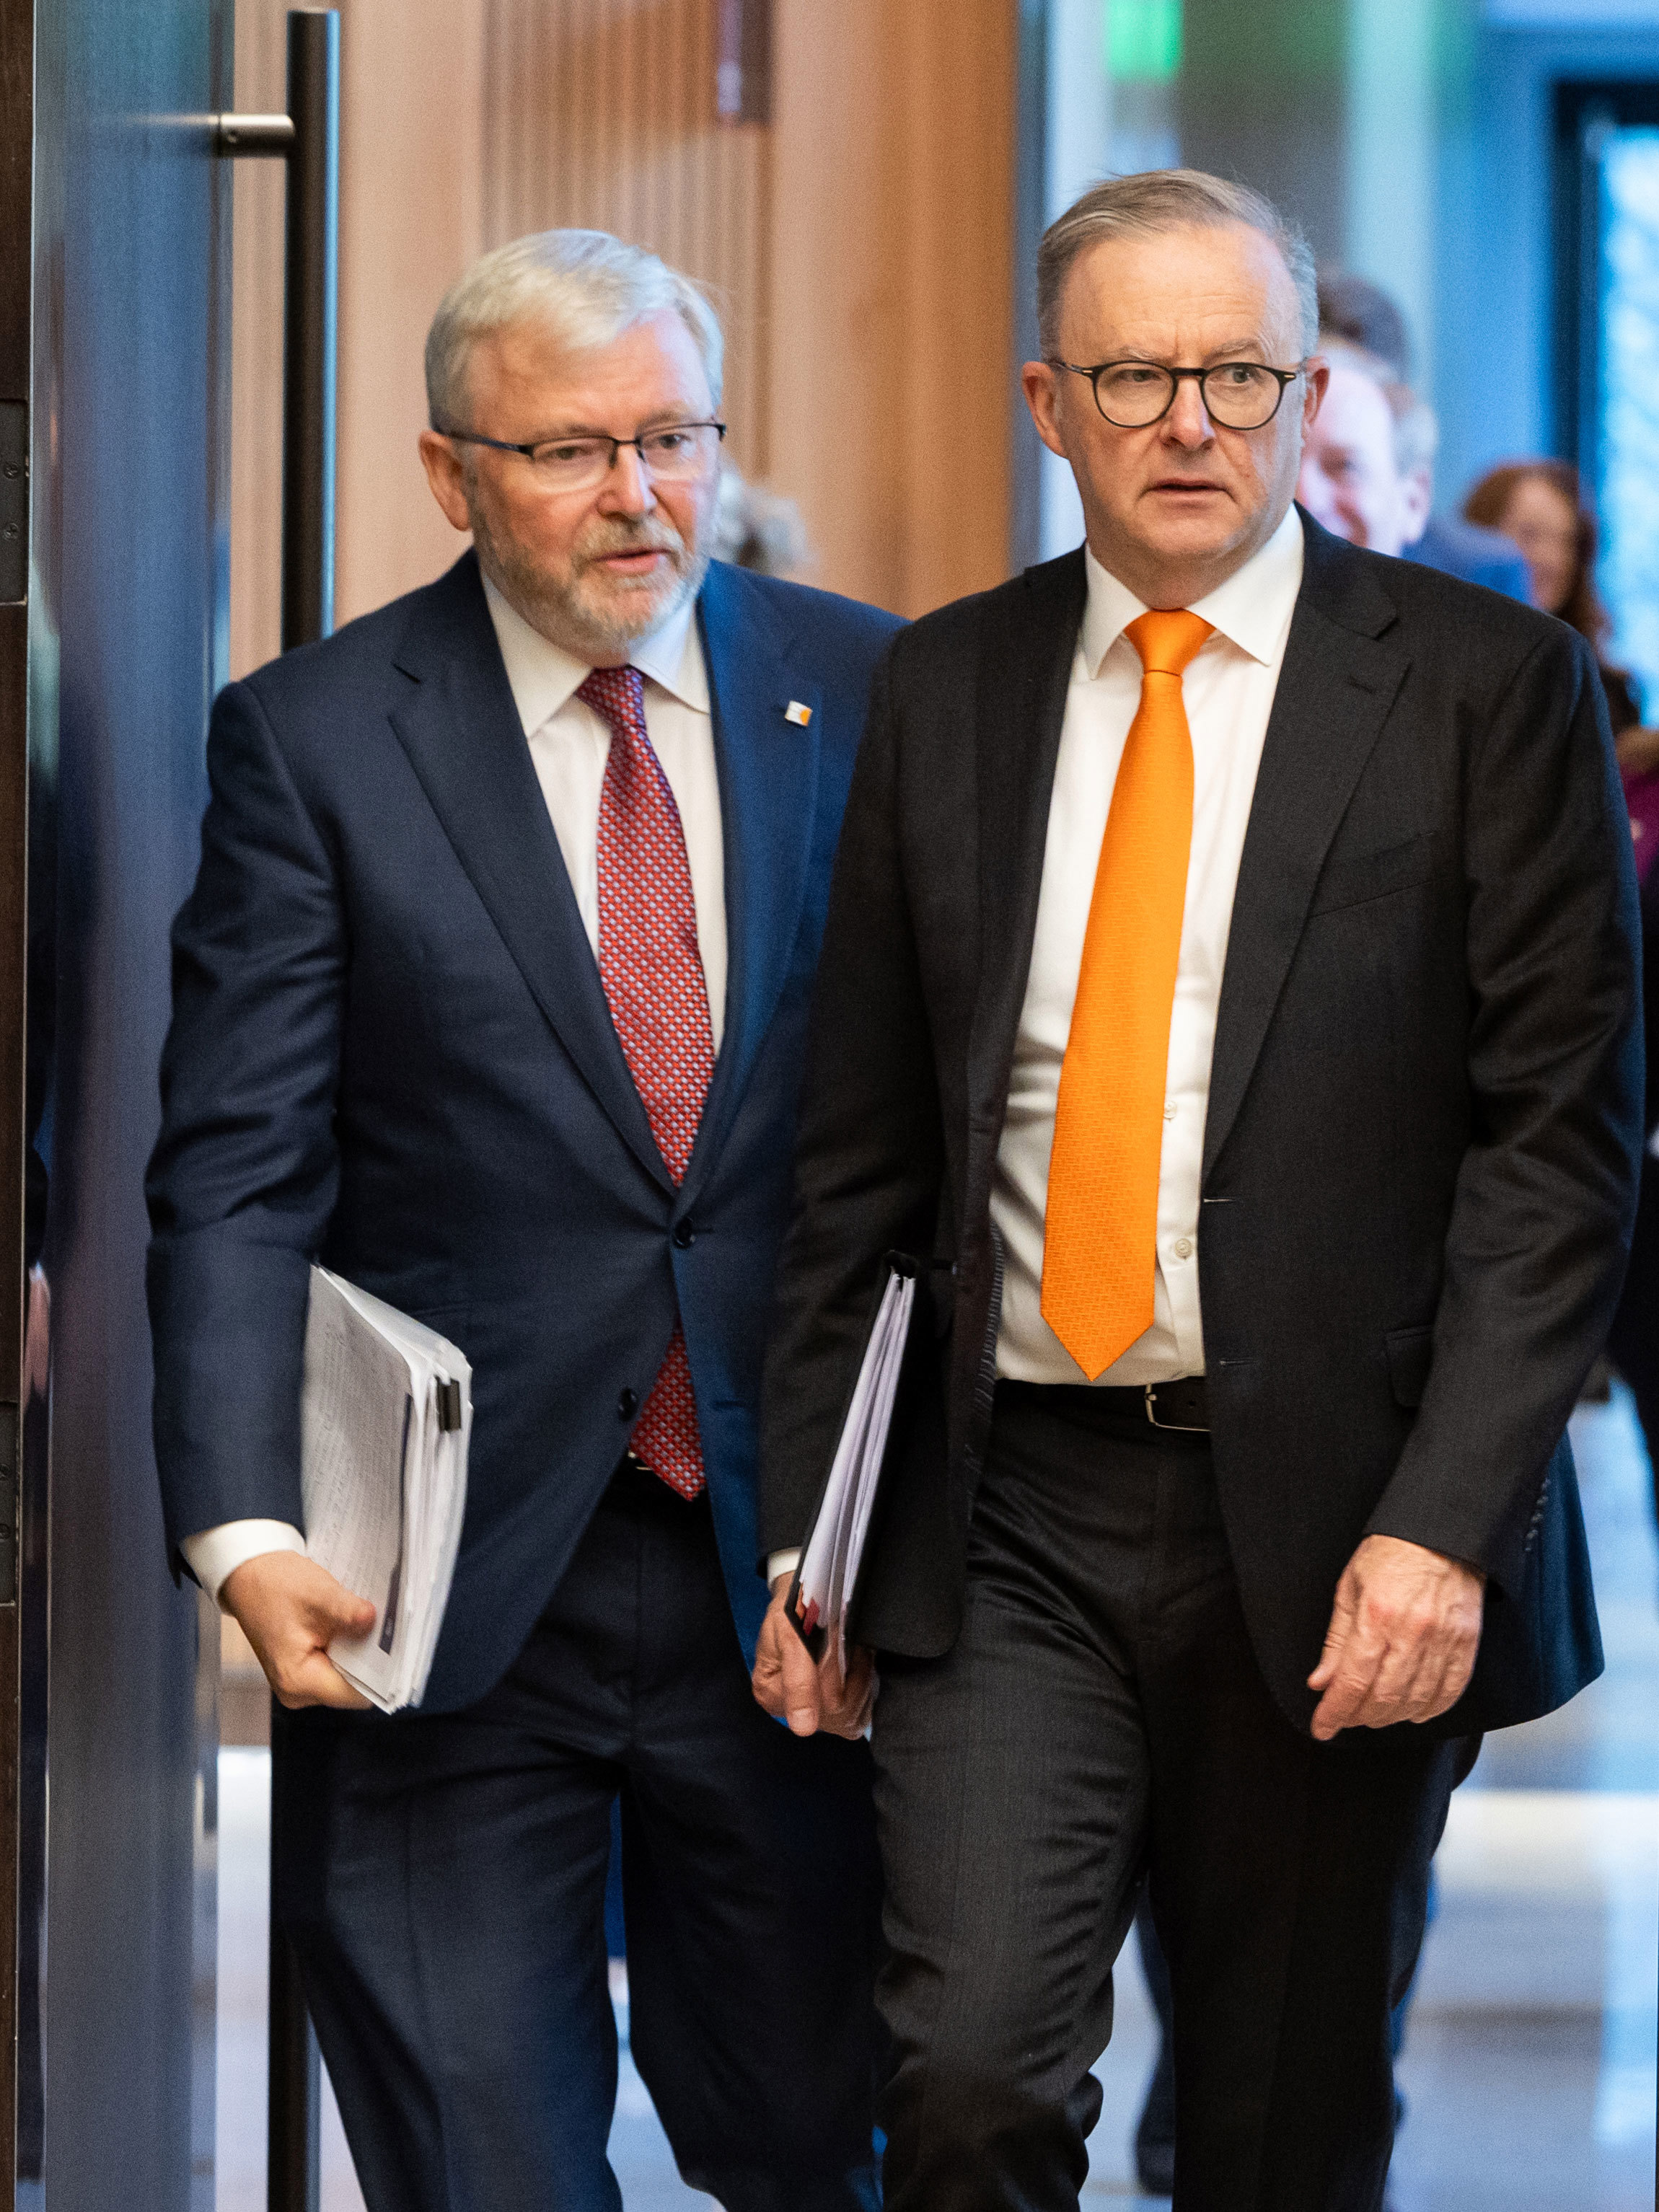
(627, 1406)
(1169, 1112)
(1182, 1248)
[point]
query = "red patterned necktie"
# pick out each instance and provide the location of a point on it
(652, 972)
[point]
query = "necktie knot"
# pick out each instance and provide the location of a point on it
(616, 696)
(1166, 642)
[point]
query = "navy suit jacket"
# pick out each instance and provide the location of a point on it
(391, 1051)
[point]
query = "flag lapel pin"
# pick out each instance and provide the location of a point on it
(796, 713)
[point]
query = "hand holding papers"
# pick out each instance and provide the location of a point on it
(385, 1416)
(826, 1580)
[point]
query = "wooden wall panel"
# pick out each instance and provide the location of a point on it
(892, 214)
(412, 138)
(600, 113)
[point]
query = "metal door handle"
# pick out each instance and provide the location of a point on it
(308, 139)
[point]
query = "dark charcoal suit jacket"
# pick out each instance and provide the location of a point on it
(390, 1050)
(1424, 1116)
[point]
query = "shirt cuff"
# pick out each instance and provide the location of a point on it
(215, 1555)
(782, 1562)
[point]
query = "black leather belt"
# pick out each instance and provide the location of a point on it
(1182, 1405)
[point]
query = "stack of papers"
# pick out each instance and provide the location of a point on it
(385, 1416)
(826, 1581)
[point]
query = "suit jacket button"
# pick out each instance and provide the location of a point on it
(627, 1404)
(684, 1236)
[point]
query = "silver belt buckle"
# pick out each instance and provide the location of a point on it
(1178, 1428)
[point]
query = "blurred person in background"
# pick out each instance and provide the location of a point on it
(758, 529)
(1540, 504)
(1358, 315)
(1368, 460)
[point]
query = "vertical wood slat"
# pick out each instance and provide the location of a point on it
(890, 202)
(607, 120)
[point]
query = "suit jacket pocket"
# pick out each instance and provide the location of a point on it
(1410, 1352)
(1351, 878)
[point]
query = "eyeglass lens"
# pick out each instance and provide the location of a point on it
(1238, 394)
(675, 454)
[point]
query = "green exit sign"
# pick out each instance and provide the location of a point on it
(1143, 40)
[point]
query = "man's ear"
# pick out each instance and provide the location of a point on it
(1318, 375)
(1040, 387)
(447, 475)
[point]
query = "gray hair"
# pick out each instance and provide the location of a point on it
(585, 287)
(1416, 426)
(1152, 203)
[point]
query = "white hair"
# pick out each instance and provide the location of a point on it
(584, 286)
(1151, 204)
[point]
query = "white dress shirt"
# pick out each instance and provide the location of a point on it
(570, 746)
(1229, 689)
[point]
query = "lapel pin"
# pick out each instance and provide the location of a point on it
(795, 712)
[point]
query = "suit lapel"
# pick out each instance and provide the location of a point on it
(461, 731)
(768, 778)
(1340, 675)
(1025, 667)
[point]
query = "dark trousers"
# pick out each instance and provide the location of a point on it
(443, 1878)
(1102, 1713)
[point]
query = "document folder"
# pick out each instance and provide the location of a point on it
(826, 1582)
(385, 1418)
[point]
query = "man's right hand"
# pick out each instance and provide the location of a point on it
(290, 1610)
(809, 1694)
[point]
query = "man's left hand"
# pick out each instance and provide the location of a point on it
(809, 1694)
(1404, 1632)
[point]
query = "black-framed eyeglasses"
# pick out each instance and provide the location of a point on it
(1240, 395)
(677, 453)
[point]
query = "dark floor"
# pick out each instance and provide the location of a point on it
(1530, 2068)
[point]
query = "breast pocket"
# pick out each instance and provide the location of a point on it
(1352, 878)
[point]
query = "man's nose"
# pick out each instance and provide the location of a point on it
(1187, 422)
(628, 489)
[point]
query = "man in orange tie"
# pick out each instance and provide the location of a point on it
(1229, 988)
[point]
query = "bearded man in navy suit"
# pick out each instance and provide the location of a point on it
(490, 995)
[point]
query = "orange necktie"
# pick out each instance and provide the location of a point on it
(1100, 1240)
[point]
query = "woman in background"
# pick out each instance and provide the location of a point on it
(1539, 505)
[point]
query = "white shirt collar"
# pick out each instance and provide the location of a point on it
(544, 677)
(1252, 609)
